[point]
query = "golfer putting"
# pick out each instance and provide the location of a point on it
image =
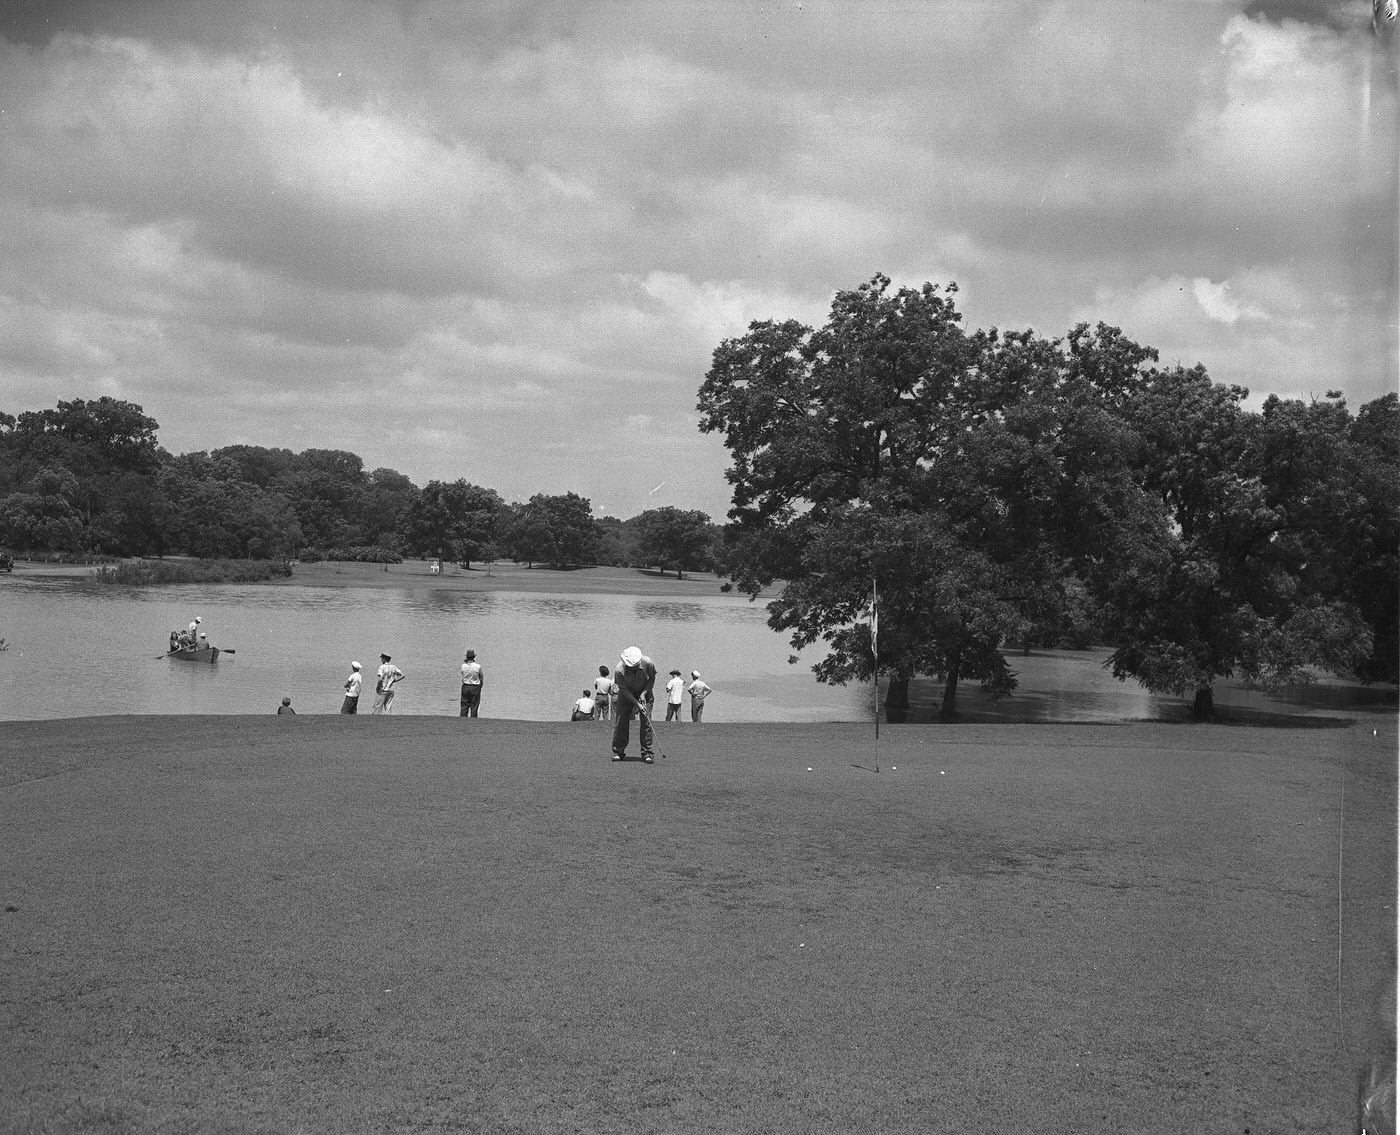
(635, 678)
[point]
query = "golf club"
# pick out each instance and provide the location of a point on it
(655, 735)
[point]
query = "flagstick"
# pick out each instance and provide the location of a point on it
(875, 650)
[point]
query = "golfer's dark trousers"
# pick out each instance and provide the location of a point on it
(622, 731)
(471, 700)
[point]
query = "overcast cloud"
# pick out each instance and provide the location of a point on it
(501, 241)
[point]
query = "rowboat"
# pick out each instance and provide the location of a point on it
(195, 654)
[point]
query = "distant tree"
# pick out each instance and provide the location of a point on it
(326, 487)
(615, 543)
(488, 554)
(554, 529)
(257, 465)
(9, 471)
(452, 521)
(1370, 538)
(387, 497)
(527, 538)
(89, 438)
(209, 512)
(672, 538)
(109, 447)
(43, 517)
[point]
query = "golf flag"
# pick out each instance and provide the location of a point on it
(875, 650)
(874, 620)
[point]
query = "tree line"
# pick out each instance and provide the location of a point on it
(999, 488)
(1002, 487)
(89, 478)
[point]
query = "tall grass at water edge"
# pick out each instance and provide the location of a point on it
(143, 572)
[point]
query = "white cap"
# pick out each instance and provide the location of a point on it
(354, 666)
(631, 656)
(695, 673)
(197, 619)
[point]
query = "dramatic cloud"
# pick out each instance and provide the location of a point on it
(501, 241)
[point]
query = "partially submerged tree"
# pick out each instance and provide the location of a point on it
(950, 468)
(1243, 580)
(988, 482)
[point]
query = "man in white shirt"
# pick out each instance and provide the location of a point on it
(583, 708)
(698, 693)
(473, 678)
(674, 689)
(389, 677)
(634, 677)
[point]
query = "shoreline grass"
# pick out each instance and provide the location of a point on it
(418, 574)
(327, 924)
(146, 573)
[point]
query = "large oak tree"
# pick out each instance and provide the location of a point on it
(965, 474)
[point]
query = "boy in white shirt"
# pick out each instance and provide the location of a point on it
(351, 704)
(603, 692)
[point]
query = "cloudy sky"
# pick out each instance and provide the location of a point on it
(500, 241)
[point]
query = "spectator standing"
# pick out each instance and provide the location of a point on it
(351, 704)
(675, 689)
(473, 678)
(389, 677)
(604, 689)
(699, 691)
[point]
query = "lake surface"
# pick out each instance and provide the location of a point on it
(77, 649)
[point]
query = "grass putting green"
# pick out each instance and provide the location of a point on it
(329, 924)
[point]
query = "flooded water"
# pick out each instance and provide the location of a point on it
(77, 649)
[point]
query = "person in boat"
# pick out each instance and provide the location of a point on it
(176, 641)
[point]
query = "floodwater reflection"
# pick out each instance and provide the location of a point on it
(78, 649)
(1075, 685)
(672, 611)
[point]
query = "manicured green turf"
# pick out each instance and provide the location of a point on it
(327, 924)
